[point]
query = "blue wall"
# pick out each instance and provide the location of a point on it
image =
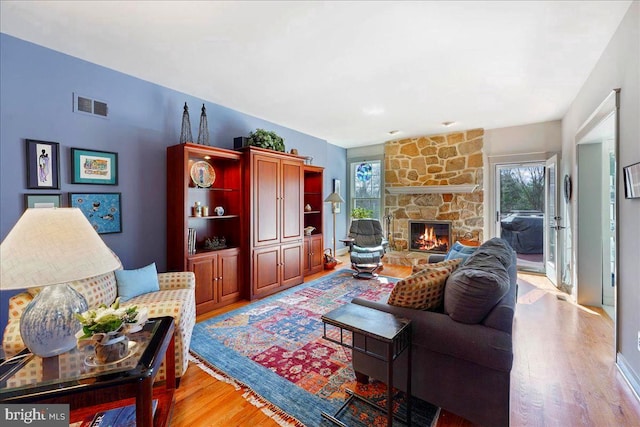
(37, 86)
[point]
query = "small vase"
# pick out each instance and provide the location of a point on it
(111, 346)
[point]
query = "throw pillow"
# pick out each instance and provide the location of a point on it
(423, 290)
(132, 283)
(477, 286)
(451, 265)
(458, 250)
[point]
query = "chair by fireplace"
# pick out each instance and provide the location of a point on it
(430, 236)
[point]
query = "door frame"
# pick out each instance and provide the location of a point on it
(552, 225)
(491, 185)
(609, 106)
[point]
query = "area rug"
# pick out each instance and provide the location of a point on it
(274, 350)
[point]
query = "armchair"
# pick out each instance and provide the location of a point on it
(367, 246)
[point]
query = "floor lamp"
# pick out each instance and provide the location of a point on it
(334, 198)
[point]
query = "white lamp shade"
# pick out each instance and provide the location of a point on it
(52, 245)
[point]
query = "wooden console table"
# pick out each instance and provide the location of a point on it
(376, 325)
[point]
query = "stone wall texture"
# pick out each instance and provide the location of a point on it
(448, 159)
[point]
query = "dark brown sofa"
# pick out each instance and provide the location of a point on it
(461, 367)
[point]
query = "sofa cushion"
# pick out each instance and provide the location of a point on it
(450, 265)
(476, 287)
(458, 250)
(423, 290)
(132, 283)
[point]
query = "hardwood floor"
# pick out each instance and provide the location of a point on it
(563, 372)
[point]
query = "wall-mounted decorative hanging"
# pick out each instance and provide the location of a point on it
(364, 171)
(94, 167)
(203, 130)
(43, 164)
(567, 188)
(42, 201)
(101, 209)
(185, 133)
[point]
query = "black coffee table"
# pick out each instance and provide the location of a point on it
(374, 325)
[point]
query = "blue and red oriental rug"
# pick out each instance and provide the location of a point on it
(274, 350)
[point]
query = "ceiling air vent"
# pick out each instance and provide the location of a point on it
(85, 105)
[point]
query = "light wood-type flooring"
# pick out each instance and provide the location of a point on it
(563, 372)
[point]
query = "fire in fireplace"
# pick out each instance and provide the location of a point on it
(430, 236)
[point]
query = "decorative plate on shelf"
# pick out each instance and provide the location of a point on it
(202, 174)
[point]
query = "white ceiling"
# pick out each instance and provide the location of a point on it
(347, 72)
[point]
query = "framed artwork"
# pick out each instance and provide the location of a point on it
(631, 175)
(94, 167)
(337, 189)
(42, 201)
(43, 164)
(103, 210)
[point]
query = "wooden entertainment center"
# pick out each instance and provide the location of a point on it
(255, 245)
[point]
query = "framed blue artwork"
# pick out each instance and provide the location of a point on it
(101, 209)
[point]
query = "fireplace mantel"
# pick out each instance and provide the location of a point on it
(433, 189)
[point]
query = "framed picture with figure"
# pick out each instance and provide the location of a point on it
(43, 165)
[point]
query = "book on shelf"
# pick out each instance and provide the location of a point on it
(123, 416)
(191, 241)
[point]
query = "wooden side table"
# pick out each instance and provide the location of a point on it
(88, 389)
(376, 325)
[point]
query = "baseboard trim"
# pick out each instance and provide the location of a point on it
(628, 374)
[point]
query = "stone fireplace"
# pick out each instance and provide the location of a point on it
(430, 236)
(434, 178)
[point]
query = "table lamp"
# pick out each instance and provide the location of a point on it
(334, 198)
(47, 248)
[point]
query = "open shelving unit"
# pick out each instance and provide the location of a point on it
(218, 277)
(313, 197)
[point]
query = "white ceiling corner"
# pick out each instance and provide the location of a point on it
(323, 67)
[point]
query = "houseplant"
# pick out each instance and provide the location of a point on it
(266, 139)
(359, 213)
(106, 328)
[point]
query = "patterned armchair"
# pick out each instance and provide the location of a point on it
(176, 298)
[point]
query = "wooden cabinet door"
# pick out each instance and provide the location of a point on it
(292, 262)
(205, 270)
(228, 279)
(266, 200)
(292, 201)
(265, 271)
(317, 252)
(306, 252)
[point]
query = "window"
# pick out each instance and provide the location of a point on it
(366, 186)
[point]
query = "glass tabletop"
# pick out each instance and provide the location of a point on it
(76, 368)
(368, 321)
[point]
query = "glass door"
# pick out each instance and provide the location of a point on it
(520, 211)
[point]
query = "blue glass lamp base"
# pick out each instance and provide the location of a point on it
(48, 325)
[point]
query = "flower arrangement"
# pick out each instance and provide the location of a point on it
(103, 319)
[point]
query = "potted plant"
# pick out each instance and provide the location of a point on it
(266, 139)
(359, 213)
(106, 328)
